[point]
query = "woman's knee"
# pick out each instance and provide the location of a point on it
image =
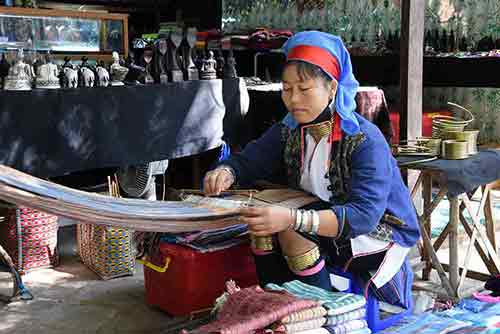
(293, 244)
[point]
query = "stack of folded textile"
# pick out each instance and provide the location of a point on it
(337, 313)
(294, 308)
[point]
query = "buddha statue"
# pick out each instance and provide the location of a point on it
(20, 75)
(117, 71)
(208, 69)
(47, 76)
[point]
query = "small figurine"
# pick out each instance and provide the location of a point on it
(102, 75)
(87, 75)
(47, 74)
(208, 70)
(199, 56)
(230, 66)
(70, 77)
(117, 71)
(67, 63)
(184, 56)
(162, 62)
(147, 59)
(172, 41)
(4, 70)
(20, 75)
(220, 64)
(135, 72)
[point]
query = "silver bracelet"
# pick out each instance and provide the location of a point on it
(228, 169)
(306, 221)
(308, 225)
(298, 220)
(315, 223)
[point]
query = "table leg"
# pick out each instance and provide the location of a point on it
(435, 261)
(427, 195)
(454, 219)
(489, 219)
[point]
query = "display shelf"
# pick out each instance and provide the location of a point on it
(63, 32)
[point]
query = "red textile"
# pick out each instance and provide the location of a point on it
(251, 309)
(317, 56)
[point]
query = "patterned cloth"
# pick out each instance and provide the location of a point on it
(296, 327)
(365, 330)
(252, 308)
(427, 323)
(371, 104)
(311, 313)
(334, 320)
(328, 330)
(348, 327)
(335, 302)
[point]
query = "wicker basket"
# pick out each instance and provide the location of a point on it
(106, 250)
(30, 238)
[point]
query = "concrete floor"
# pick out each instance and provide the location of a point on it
(72, 299)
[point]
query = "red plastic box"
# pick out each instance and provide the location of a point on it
(192, 280)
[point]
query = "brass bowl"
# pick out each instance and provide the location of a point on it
(470, 136)
(433, 144)
(454, 149)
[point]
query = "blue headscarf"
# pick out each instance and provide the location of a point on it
(345, 103)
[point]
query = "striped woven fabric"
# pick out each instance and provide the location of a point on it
(340, 318)
(365, 330)
(311, 313)
(334, 302)
(251, 309)
(326, 330)
(296, 327)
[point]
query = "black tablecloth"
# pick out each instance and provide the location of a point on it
(54, 132)
(463, 176)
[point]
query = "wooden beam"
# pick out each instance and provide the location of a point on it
(479, 276)
(411, 72)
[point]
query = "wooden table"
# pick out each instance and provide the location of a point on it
(482, 239)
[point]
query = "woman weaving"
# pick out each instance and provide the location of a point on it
(365, 223)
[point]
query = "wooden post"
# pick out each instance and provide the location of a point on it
(411, 71)
(411, 83)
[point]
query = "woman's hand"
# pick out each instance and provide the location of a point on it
(265, 221)
(217, 181)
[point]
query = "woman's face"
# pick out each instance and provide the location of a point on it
(306, 97)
